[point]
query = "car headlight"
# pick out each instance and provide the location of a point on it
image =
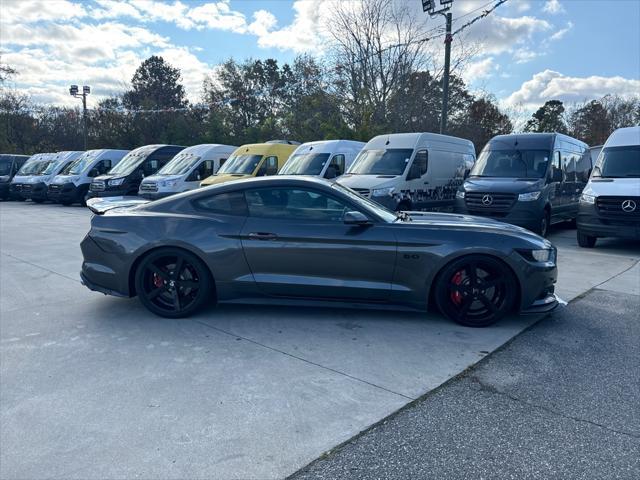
(460, 194)
(116, 181)
(586, 198)
(382, 192)
(528, 197)
(541, 255)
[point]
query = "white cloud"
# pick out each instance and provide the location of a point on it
(219, 16)
(553, 7)
(562, 32)
(550, 85)
(479, 70)
(524, 55)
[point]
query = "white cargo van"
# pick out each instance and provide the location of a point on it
(186, 170)
(35, 186)
(324, 158)
(72, 184)
(34, 165)
(610, 203)
(411, 171)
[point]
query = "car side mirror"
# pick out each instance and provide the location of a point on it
(356, 218)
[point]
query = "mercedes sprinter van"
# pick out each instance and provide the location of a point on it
(71, 185)
(532, 180)
(324, 158)
(186, 170)
(125, 178)
(411, 171)
(254, 160)
(610, 203)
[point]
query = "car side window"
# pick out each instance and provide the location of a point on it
(419, 166)
(230, 203)
(295, 204)
(336, 166)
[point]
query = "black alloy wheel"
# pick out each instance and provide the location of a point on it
(476, 290)
(173, 283)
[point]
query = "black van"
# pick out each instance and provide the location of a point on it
(9, 166)
(531, 180)
(126, 176)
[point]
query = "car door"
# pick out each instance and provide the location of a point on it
(297, 245)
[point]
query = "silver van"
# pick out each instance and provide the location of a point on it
(411, 171)
(35, 185)
(323, 158)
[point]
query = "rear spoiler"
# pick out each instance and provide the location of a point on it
(99, 205)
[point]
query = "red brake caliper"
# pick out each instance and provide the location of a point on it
(456, 296)
(157, 281)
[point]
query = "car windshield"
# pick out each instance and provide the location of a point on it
(130, 162)
(80, 164)
(305, 164)
(240, 164)
(511, 164)
(5, 165)
(180, 164)
(382, 212)
(617, 162)
(392, 161)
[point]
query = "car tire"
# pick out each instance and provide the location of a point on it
(170, 293)
(586, 241)
(476, 290)
(545, 223)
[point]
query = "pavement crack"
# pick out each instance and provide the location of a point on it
(493, 390)
(303, 360)
(40, 267)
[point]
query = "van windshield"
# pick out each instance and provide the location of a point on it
(32, 167)
(305, 164)
(179, 165)
(79, 165)
(240, 164)
(511, 164)
(617, 162)
(130, 162)
(5, 165)
(392, 161)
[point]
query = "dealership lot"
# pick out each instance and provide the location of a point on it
(96, 387)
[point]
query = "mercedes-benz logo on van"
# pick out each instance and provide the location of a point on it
(629, 206)
(488, 200)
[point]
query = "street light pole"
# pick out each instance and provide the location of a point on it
(74, 92)
(445, 78)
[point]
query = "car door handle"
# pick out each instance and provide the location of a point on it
(262, 236)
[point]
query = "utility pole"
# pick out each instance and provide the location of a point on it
(429, 6)
(74, 92)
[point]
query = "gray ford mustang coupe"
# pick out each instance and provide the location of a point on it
(306, 240)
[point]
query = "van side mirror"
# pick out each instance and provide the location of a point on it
(355, 218)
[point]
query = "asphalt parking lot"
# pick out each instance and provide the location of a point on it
(97, 387)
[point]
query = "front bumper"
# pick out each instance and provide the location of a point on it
(522, 214)
(67, 192)
(155, 195)
(590, 222)
(121, 192)
(5, 190)
(34, 191)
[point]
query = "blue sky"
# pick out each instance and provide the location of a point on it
(526, 52)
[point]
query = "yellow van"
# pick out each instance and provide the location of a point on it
(253, 160)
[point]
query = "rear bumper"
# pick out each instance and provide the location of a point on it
(591, 223)
(522, 214)
(103, 271)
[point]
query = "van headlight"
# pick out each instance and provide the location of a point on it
(116, 181)
(528, 197)
(460, 194)
(586, 198)
(383, 192)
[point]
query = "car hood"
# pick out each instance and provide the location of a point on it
(216, 179)
(502, 185)
(473, 224)
(618, 187)
(368, 181)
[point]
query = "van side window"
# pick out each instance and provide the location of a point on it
(336, 167)
(269, 166)
(419, 165)
(222, 160)
(556, 167)
(102, 167)
(231, 203)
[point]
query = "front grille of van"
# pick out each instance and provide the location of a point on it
(26, 188)
(97, 186)
(365, 192)
(612, 207)
(487, 203)
(149, 187)
(55, 188)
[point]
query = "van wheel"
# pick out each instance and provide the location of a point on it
(586, 241)
(545, 221)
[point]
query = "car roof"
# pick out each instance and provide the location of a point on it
(623, 137)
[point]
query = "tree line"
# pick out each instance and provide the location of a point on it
(371, 82)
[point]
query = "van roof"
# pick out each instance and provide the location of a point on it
(206, 148)
(623, 137)
(266, 149)
(154, 146)
(413, 140)
(330, 146)
(533, 140)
